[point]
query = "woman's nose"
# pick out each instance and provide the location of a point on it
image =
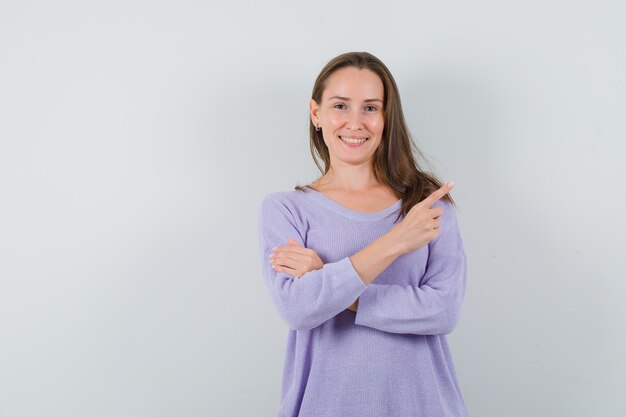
(354, 120)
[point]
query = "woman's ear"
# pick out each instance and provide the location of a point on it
(314, 109)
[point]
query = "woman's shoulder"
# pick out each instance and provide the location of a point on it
(290, 200)
(294, 195)
(284, 207)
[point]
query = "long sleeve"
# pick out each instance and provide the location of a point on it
(315, 297)
(432, 307)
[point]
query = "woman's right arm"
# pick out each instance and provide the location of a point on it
(321, 294)
(318, 295)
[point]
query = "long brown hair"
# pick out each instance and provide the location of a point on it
(395, 165)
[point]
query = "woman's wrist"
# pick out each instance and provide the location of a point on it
(370, 261)
(389, 245)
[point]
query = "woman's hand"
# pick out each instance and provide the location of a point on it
(421, 223)
(295, 259)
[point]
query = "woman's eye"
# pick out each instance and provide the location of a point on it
(342, 107)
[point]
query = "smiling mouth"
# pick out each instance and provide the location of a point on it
(353, 140)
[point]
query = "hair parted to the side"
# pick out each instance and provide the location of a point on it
(395, 164)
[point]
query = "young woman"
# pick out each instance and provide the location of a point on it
(366, 264)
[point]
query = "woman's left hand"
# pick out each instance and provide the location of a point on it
(294, 259)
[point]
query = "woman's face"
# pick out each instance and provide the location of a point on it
(351, 107)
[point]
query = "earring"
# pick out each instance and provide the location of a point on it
(317, 128)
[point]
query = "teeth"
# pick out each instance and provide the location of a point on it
(351, 140)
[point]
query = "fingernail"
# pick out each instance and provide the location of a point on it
(451, 184)
(274, 248)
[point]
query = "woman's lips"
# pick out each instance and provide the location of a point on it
(351, 144)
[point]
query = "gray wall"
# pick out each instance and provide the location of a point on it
(137, 139)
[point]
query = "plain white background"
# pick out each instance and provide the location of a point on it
(137, 139)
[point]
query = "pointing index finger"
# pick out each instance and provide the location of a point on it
(436, 195)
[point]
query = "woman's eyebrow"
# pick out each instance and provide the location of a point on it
(347, 99)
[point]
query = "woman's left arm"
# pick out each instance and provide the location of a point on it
(431, 308)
